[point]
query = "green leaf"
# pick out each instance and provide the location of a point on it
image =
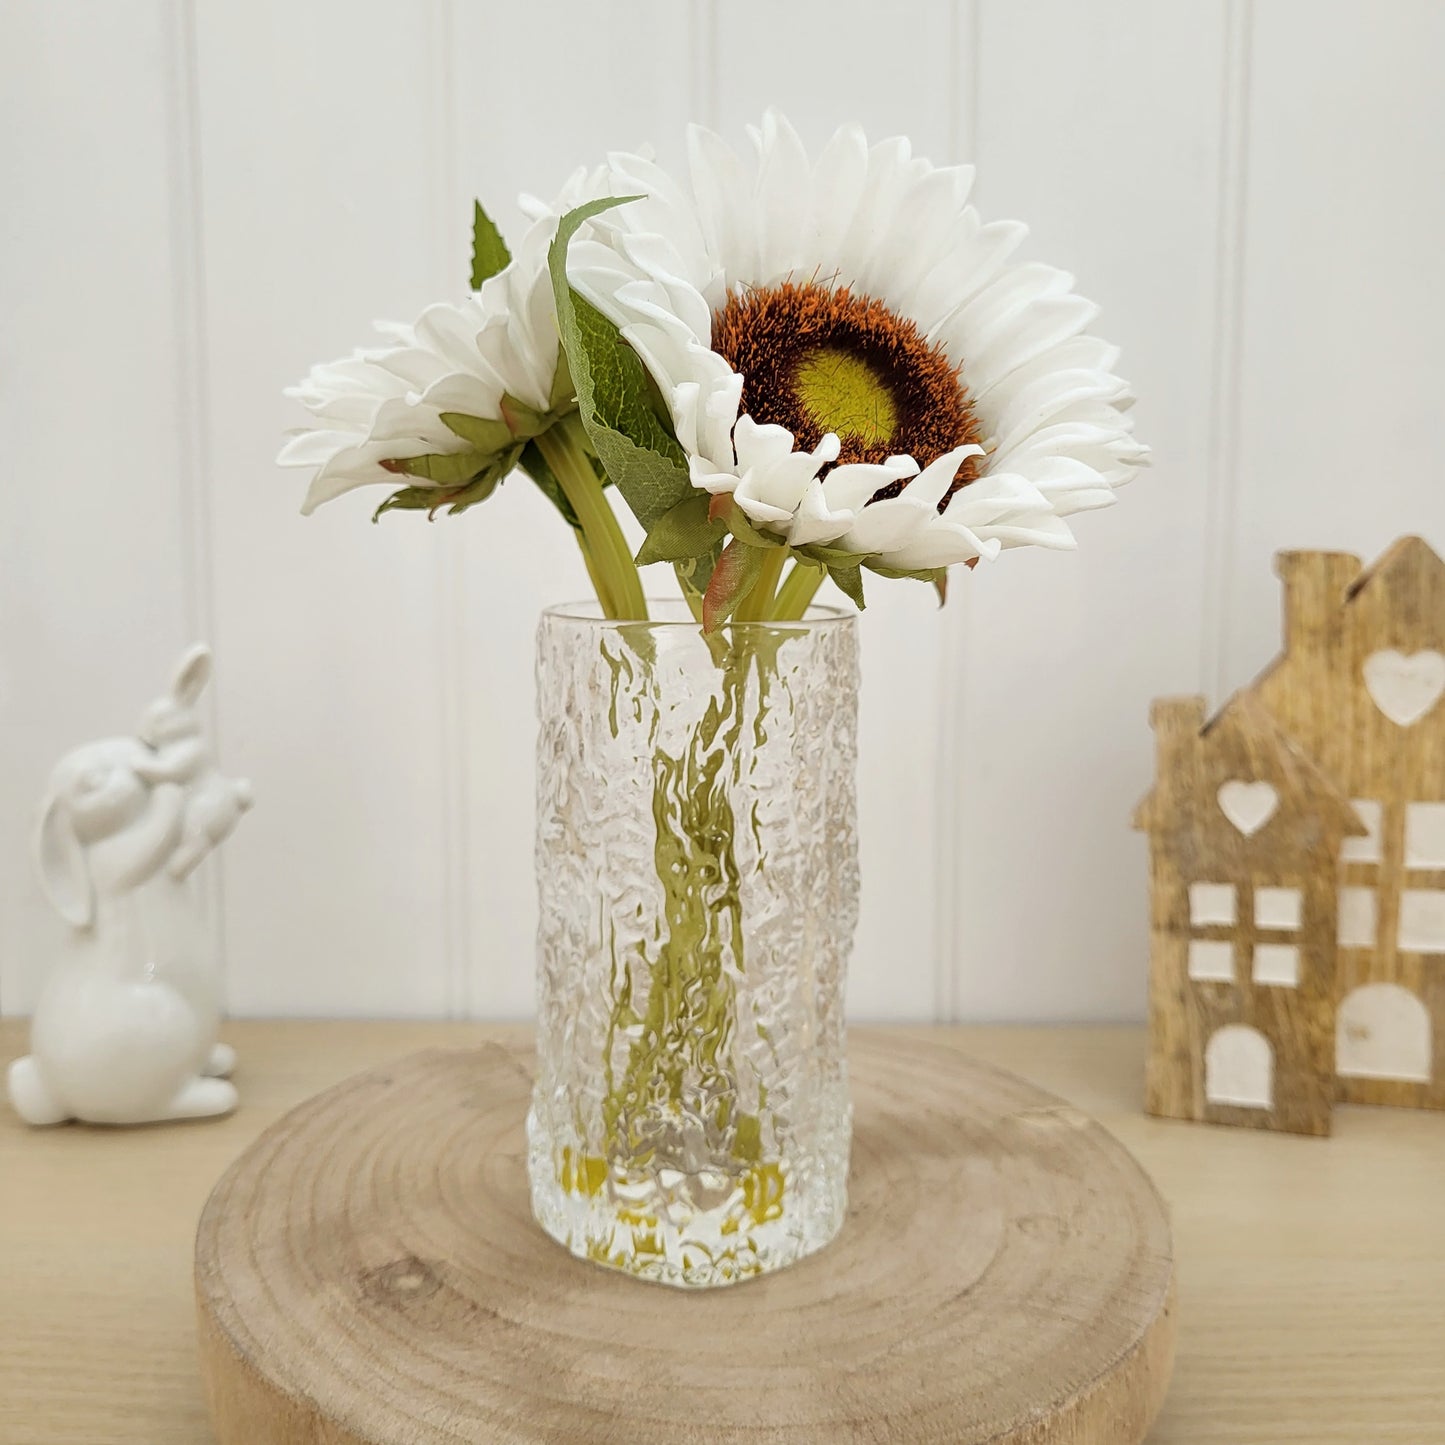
(684, 531)
(564, 394)
(486, 434)
(535, 466)
(726, 510)
(927, 574)
(524, 420)
(446, 469)
(635, 446)
(489, 250)
(832, 556)
(540, 471)
(695, 573)
(850, 582)
(410, 499)
(482, 487)
(455, 498)
(735, 575)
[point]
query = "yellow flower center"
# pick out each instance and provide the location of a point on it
(843, 394)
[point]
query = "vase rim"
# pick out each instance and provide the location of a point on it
(672, 613)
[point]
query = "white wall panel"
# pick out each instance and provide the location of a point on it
(899, 77)
(94, 545)
(201, 200)
(319, 173)
(1100, 125)
(1341, 371)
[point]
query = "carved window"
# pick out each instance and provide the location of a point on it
(1212, 904)
(1425, 835)
(1422, 920)
(1278, 908)
(1366, 849)
(1276, 964)
(1211, 959)
(1359, 923)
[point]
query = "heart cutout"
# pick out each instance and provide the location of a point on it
(1249, 806)
(1405, 688)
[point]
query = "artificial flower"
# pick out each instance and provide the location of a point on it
(851, 354)
(379, 412)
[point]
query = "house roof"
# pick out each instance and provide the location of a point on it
(1404, 554)
(1242, 729)
(1336, 579)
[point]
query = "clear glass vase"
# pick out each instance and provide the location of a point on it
(698, 879)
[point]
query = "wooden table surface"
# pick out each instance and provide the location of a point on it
(1311, 1271)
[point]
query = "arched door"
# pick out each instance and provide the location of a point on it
(1383, 1032)
(1239, 1068)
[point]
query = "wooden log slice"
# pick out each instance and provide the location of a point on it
(368, 1273)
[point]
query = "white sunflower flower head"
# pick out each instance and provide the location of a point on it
(852, 357)
(445, 407)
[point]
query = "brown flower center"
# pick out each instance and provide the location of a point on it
(817, 359)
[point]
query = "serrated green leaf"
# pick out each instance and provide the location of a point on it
(613, 398)
(735, 575)
(445, 469)
(850, 582)
(489, 250)
(684, 531)
(485, 433)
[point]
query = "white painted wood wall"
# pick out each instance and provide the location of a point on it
(202, 199)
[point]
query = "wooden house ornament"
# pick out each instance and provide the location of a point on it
(1297, 860)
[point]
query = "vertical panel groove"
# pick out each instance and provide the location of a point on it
(1222, 501)
(450, 214)
(953, 629)
(703, 44)
(188, 274)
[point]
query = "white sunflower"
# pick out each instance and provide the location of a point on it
(384, 404)
(848, 351)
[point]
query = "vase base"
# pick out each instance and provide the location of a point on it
(699, 1230)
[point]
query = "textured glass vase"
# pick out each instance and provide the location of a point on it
(698, 880)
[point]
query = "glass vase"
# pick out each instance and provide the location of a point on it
(698, 881)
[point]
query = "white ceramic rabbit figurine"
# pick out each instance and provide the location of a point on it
(125, 1030)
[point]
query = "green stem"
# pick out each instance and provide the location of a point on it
(757, 606)
(795, 595)
(599, 582)
(564, 448)
(692, 597)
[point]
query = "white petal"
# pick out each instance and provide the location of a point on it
(939, 545)
(816, 520)
(850, 486)
(759, 445)
(931, 485)
(783, 225)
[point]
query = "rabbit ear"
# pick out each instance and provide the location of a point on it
(63, 868)
(193, 674)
